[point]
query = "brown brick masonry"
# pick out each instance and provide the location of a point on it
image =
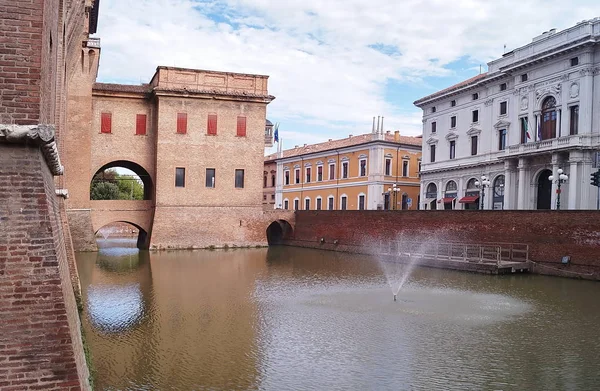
(550, 235)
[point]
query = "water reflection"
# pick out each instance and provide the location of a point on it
(289, 318)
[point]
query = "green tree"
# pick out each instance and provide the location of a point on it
(104, 191)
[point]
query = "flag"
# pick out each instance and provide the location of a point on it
(276, 134)
(526, 127)
(540, 130)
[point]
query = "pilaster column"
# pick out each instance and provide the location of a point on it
(440, 195)
(587, 192)
(521, 189)
(460, 192)
(507, 185)
(573, 195)
(558, 127)
(554, 184)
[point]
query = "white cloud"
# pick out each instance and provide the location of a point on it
(328, 79)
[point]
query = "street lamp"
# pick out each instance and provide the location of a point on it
(485, 182)
(562, 178)
(394, 191)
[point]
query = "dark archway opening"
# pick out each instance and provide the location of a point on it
(544, 192)
(121, 180)
(122, 234)
(278, 231)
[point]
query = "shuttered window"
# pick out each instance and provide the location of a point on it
(106, 123)
(182, 123)
(211, 128)
(140, 124)
(241, 126)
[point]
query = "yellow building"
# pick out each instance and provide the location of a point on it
(370, 171)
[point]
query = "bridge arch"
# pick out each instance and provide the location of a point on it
(139, 170)
(143, 239)
(279, 231)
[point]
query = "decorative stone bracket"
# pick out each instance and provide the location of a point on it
(39, 135)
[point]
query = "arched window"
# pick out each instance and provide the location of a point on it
(471, 184)
(432, 188)
(451, 187)
(265, 181)
(273, 180)
(498, 193)
(548, 128)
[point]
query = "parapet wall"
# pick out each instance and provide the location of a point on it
(550, 235)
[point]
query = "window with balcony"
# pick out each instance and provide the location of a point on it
(474, 145)
(432, 153)
(452, 149)
(502, 140)
(574, 120)
(524, 130)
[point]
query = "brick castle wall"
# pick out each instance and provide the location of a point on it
(40, 340)
(549, 234)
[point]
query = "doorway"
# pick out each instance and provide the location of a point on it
(544, 192)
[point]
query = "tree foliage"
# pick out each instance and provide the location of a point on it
(110, 185)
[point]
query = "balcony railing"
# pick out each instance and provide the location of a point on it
(566, 142)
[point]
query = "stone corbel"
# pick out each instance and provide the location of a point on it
(38, 135)
(64, 193)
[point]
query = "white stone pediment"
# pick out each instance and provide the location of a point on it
(502, 124)
(432, 140)
(473, 131)
(451, 136)
(331, 161)
(362, 156)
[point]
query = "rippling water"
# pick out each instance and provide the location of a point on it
(298, 319)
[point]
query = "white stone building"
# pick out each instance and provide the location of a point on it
(549, 90)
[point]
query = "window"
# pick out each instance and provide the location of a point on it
(331, 171)
(432, 153)
(363, 167)
(211, 125)
(475, 116)
(452, 103)
(140, 124)
(361, 202)
(330, 203)
(297, 175)
(287, 177)
(272, 197)
(273, 180)
(265, 181)
(503, 87)
(503, 108)
(319, 201)
(319, 173)
(105, 123)
(179, 177)
(182, 123)
(475, 96)
(453, 121)
(264, 197)
(286, 204)
(452, 149)
(433, 109)
(433, 127)
(524, 77)
(210, 177)
(473, 145)
(241, 126)
(419, 166)
(524, 131)
(296, 204)
(345, 170)
(239, 179)
(307, 179)
(344, 202)
(502, 140)
(573, 120)
(388, 166)
(405, 168)
(307, 204)
(574, 61)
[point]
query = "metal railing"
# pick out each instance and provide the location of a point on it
(477, 253)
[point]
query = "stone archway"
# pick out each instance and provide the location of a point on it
(140, 171)
(143, 239)
(544, 190)
(279, 231)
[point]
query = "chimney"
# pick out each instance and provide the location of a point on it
(305, 145)
(378, 117)
(397, 136)
(330, 139)
(388, 132)
(381, 130)
(373, 129)
(296, 146)
(349, 136)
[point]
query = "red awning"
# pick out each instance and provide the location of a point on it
(447, 200)
(468, 199)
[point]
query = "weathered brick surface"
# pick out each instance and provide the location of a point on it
(40, 340)
(549, 234)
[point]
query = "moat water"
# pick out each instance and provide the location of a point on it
(296, 319)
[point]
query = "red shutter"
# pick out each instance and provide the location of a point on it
(140, 124)
(182, 123)
(105, 123)
(241, 126)
(212, 125)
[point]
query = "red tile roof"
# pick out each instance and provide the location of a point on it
(343, 143)
(464, 83)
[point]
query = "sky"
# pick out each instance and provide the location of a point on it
(332, 64)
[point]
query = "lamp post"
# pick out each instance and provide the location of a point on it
(394, 192)
(562, 178)
(483, 184)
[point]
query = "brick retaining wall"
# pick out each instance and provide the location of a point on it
(549, 234)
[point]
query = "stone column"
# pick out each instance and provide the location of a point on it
(558, 127)
(460, 193)
(440, 195)
(573, 195)
(588, 193)
(521, 190)
(507, 185)
(554, 184)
